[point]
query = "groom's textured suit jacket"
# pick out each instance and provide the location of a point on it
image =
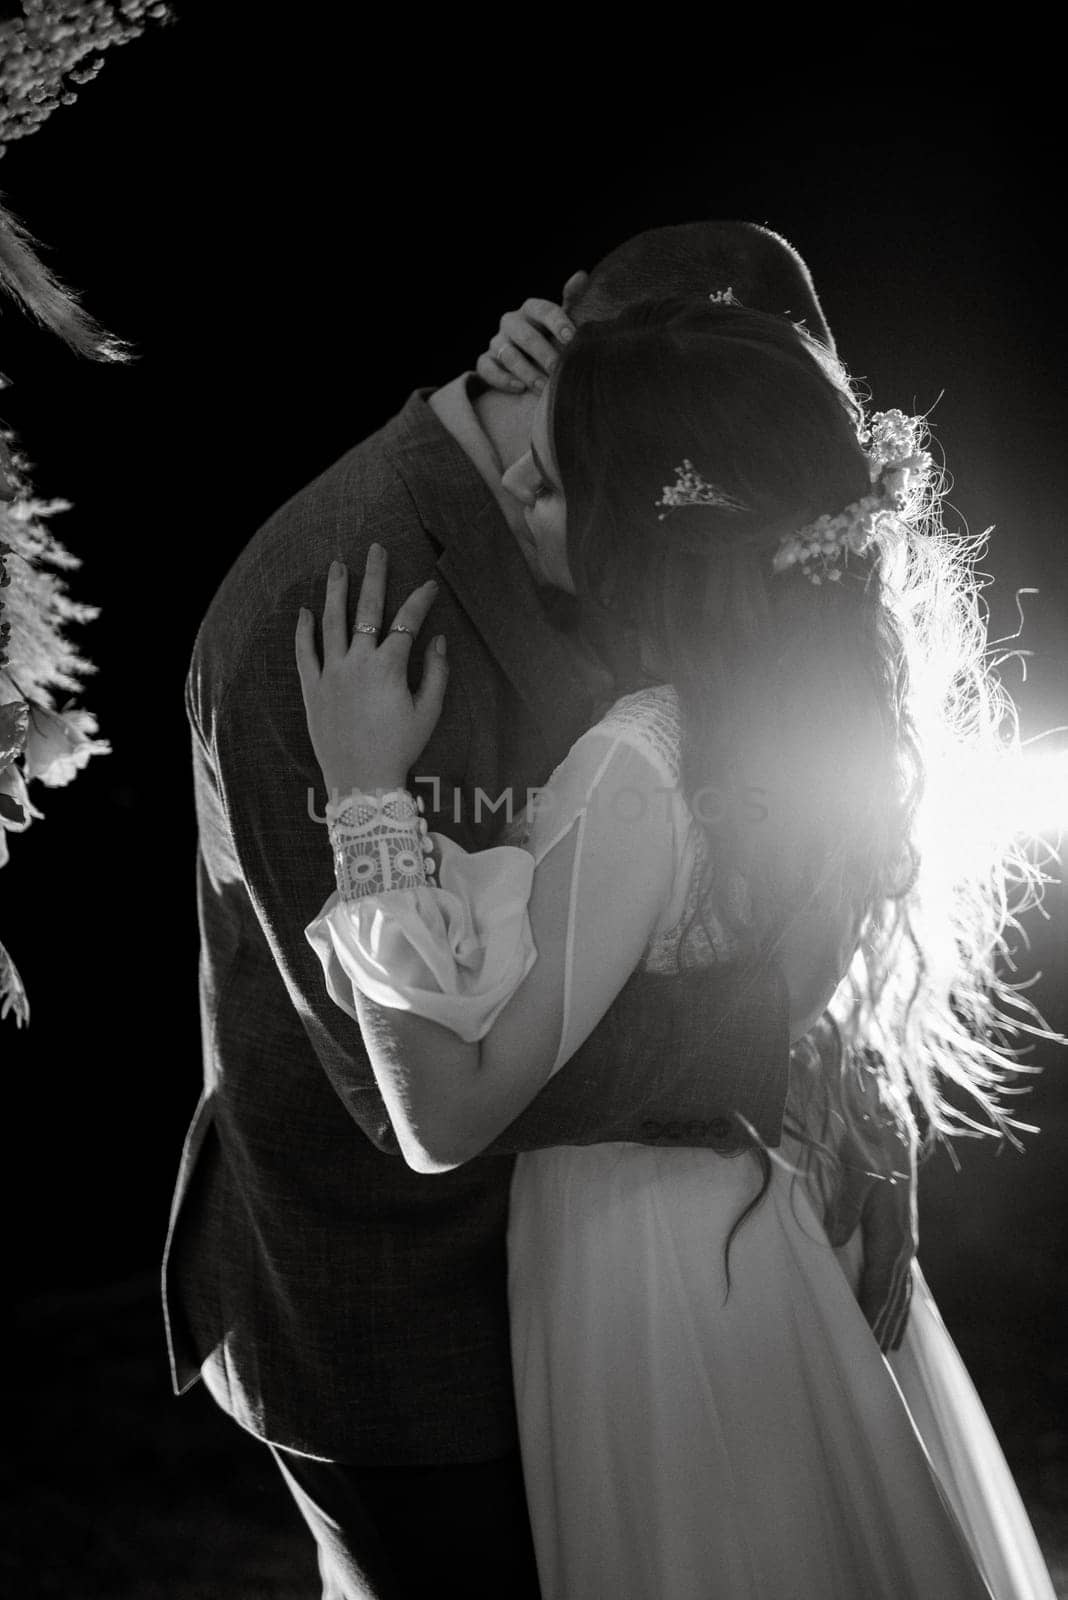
(336, 1302)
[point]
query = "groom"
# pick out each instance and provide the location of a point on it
(348, 1312)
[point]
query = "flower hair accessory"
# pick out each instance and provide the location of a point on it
(895, 458)
(896, 465)
(690, 489)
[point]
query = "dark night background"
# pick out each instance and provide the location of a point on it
(290, 261)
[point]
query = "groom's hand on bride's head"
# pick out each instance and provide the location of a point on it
(526, 347)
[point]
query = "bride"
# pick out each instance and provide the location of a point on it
(703, 1408)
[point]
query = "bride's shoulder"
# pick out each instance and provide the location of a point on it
(647, 720)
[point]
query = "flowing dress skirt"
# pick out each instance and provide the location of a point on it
(680, 1443)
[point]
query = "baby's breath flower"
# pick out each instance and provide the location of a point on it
(56, 44)
(690, 489)
(898, 469)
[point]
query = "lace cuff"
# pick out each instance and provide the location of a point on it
(379, 842)
(454, 951)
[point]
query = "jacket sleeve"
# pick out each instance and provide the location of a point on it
(264, 863)
(698, 1058)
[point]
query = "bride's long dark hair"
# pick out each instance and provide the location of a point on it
(831, 722)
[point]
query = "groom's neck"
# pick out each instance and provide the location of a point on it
(506, 420)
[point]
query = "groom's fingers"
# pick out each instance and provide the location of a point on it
(896, 1333)
(889, 1247)
(889, 1320)
(883, 1299)
(847, 1205)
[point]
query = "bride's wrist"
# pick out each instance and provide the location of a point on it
(379, 842)
(341, 785)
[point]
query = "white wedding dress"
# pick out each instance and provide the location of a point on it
(680, 1443)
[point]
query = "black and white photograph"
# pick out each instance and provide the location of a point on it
(533, 811)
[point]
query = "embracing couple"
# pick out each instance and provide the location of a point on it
(549, 1207)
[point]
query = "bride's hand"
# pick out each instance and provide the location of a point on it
(367, 728)
(526, 347)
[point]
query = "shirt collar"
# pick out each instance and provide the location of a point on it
(453, 405)
(481, 562)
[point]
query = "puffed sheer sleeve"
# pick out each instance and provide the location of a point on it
(454, 953)
(525, 947)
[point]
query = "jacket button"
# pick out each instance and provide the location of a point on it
(721, 1128)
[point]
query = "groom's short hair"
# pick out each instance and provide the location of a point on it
(760, 268)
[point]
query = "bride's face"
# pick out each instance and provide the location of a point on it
(535, 483)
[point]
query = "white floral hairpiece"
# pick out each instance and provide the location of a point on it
(723, 297)
(690, 489)
(894, 460)
(819, 549)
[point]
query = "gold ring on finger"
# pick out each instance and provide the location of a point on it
(398, 627)
(365, 627)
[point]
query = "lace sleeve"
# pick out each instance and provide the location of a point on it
(587, 891)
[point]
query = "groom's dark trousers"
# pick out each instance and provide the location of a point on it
(417, 1530)
(338, 1305)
